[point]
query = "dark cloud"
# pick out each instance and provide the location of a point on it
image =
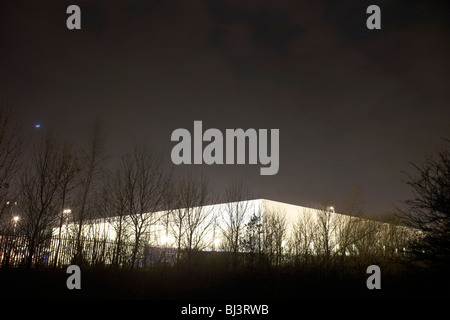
(268, 29)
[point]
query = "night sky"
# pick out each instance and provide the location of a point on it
(353, 106)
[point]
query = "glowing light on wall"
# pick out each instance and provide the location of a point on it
(216, 243)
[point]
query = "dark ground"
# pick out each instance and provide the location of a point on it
(171, 284)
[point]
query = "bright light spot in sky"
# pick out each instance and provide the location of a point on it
(37, 125)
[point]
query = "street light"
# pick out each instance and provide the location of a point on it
(15, 219)
(331, 209)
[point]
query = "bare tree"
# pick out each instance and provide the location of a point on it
(429, 208)
(274, 232)
(145, 184)
(326, 237)
(395, 236)
(116, 193)
(252, 242)
(368, 241)
(104, 204)
(178, 221)
(347, 223)
(11, 152)
(304, 231)
(68, 169)
(90, 164)
(237, 212)
(167, 219)
(191, 219)
(40, 198)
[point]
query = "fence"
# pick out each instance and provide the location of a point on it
(61, 251)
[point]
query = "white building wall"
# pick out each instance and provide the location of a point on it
(162, 234)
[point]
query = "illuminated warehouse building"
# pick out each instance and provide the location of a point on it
(242, 226)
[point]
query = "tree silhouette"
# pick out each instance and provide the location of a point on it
(429, 209)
